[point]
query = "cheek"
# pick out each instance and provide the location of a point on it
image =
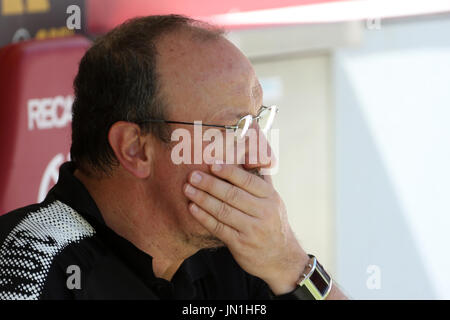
(169, 176)
(222, 147)
(169, 179)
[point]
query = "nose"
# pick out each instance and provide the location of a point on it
(258, 153)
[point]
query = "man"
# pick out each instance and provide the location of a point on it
(127, 221)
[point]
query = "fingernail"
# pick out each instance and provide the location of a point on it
(194, 207)
(189, 189)
(216, 167)
(196, 178)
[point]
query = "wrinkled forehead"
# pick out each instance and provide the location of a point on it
(210, 74)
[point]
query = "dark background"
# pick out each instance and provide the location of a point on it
(48, 23)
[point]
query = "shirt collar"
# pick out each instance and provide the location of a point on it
(72, 192)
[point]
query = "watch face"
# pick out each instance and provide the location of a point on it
(319, 282)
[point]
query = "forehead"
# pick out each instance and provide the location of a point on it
(206, 76)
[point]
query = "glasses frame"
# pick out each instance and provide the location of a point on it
(235, 127)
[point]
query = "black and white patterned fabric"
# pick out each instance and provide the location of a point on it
(28, 251)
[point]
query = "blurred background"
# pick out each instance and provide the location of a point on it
(364, 98)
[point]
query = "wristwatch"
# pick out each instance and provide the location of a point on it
(314, 283)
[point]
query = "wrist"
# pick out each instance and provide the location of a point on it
(287, 279)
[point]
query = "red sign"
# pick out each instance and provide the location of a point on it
(104, 15)
(36, 98)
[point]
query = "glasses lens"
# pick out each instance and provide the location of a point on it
(266, 118)
(243, 125)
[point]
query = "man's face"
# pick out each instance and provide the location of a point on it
(209, 81)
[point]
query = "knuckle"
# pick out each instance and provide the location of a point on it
(275, 198)
(242, 239)
(223, 211)
(279, 201)
(238, 239)
(249, 180)
(218, 228)
(231, 194)
(272, 193)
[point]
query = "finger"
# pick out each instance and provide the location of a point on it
(243, 179)
(218, 209)
(222, 190)
(215, 227)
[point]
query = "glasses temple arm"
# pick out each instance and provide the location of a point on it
(189, 123)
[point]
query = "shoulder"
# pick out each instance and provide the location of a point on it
(30, 240)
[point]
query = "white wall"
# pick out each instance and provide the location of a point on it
(393, 161)
(300, 88)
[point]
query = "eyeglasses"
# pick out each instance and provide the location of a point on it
(264, 118)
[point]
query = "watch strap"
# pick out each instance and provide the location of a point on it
(298, 293)
(314, 283)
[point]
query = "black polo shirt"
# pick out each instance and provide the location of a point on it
(62, 249)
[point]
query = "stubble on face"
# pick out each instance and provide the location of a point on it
(204, 241)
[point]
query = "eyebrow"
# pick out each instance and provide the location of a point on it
(240, 115)
(243, 114)
(257, 90)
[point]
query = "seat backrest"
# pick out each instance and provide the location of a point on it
(36, 95)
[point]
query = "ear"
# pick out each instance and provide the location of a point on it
(131, 148)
